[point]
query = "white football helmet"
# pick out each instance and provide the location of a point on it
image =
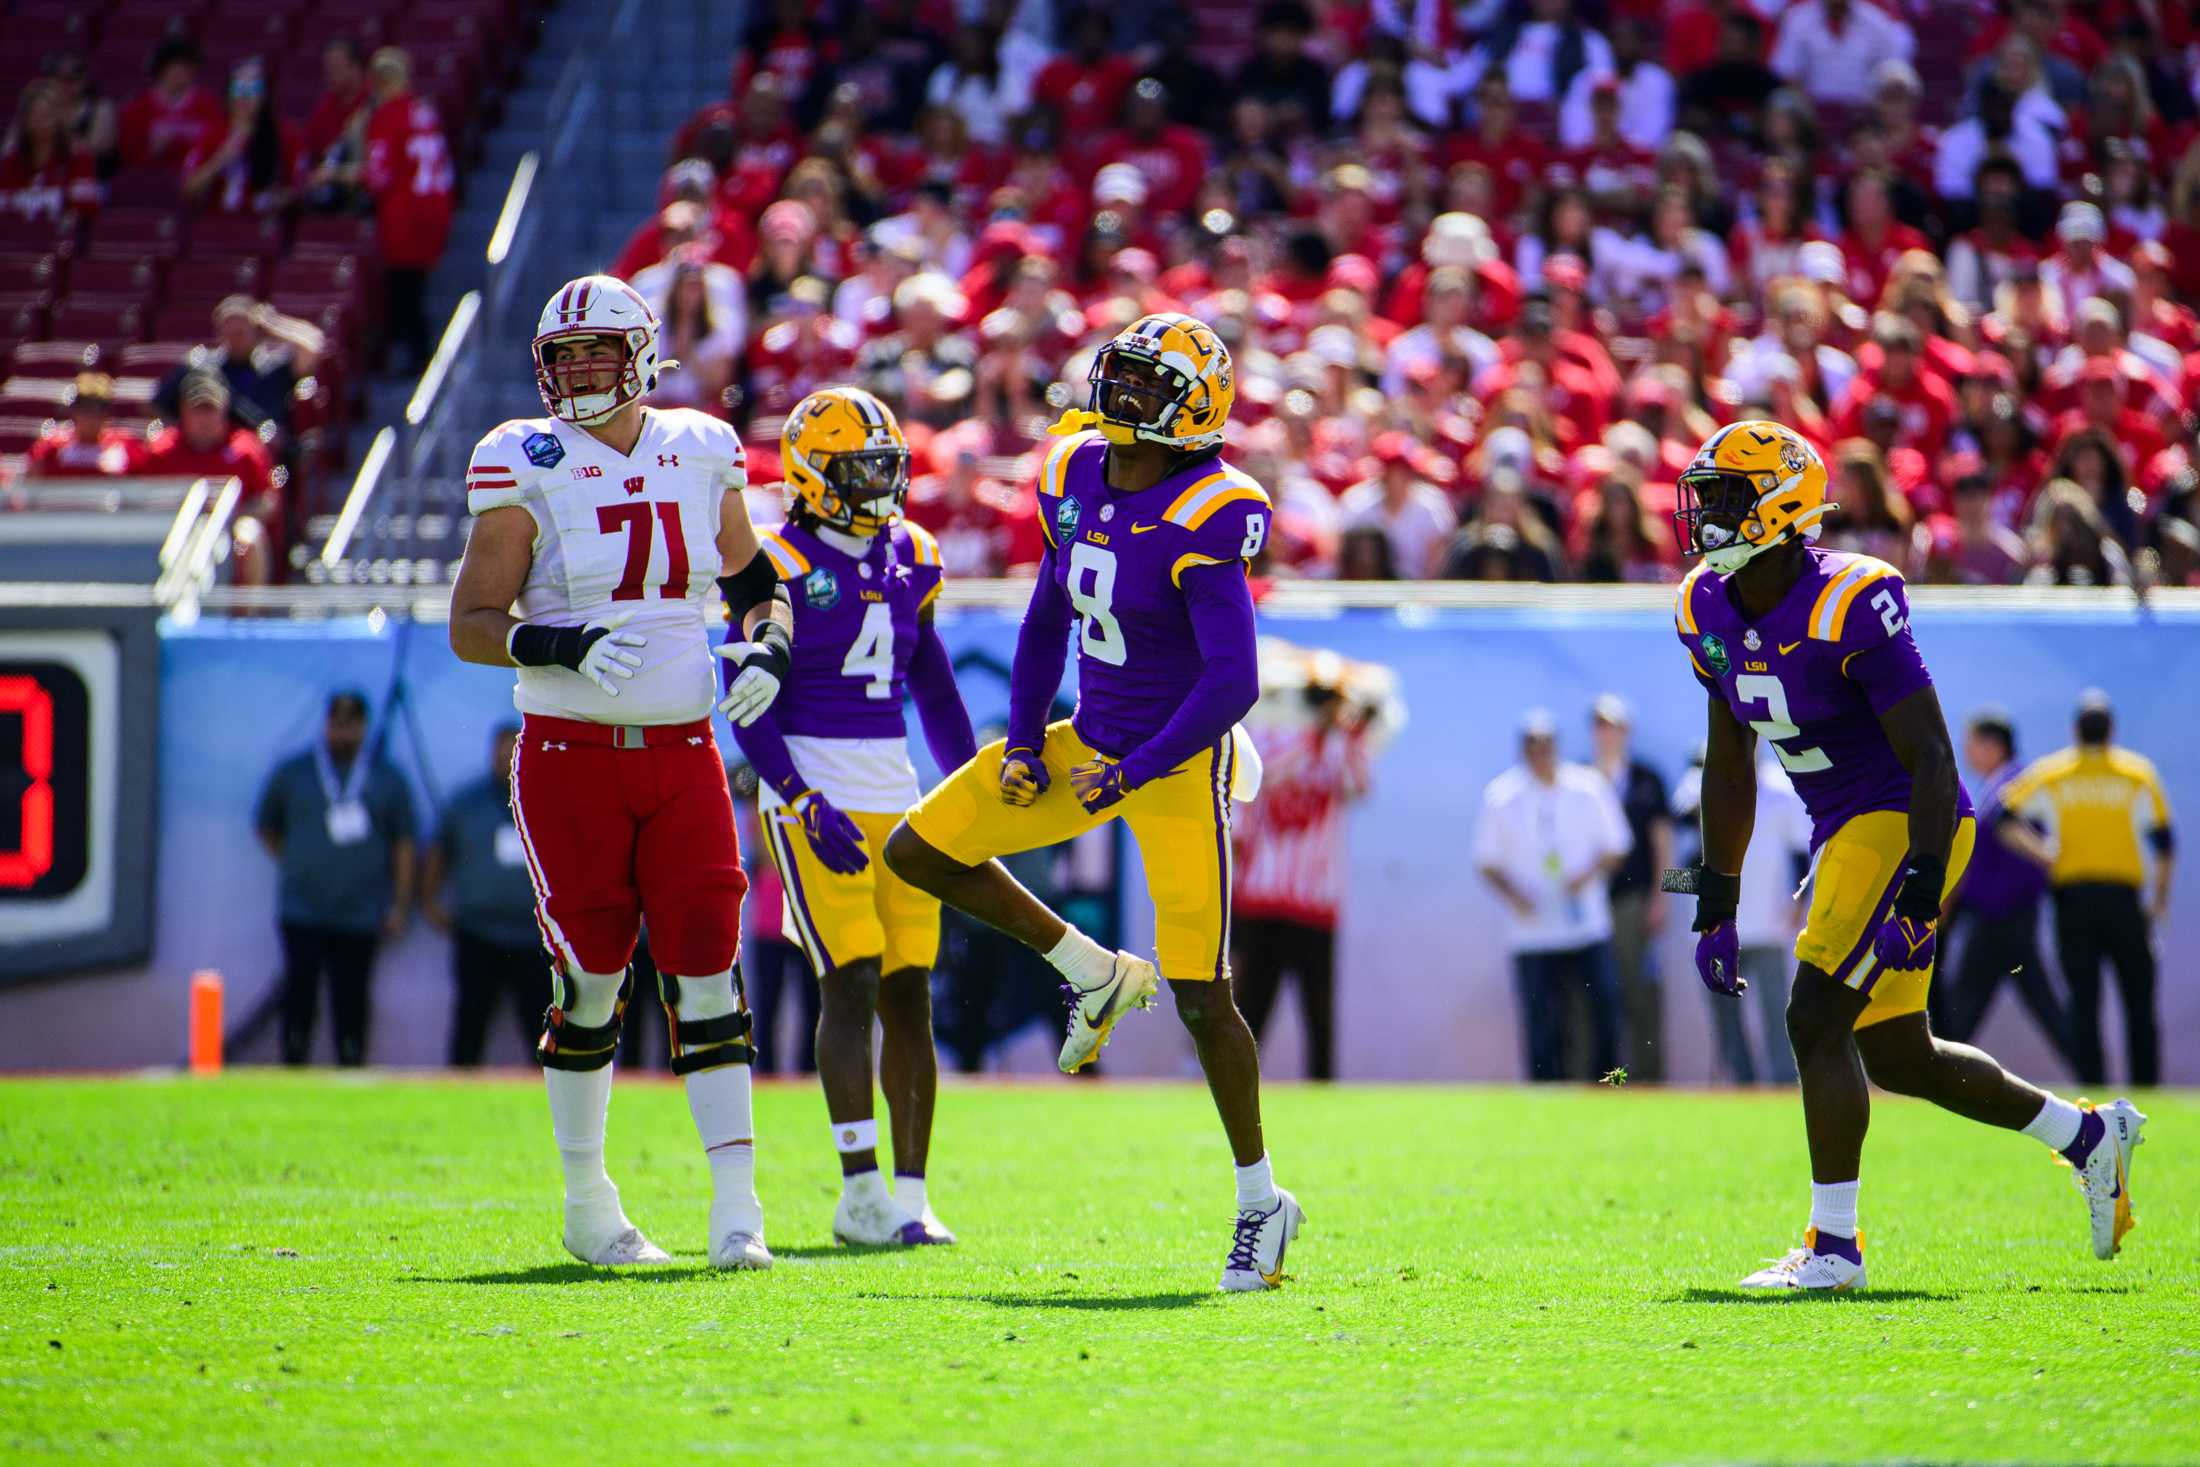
(595, 305)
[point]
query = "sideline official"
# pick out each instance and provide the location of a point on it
(473, 885)
(2103, 812)
(338, 819)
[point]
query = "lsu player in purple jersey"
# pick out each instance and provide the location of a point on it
(1148, 532)
(1812, 651)
(833, 761)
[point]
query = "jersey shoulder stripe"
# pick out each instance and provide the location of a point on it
(1210, 493)
(1190, 559)
(1684, 601)
(788, 561)
(924, 547)
(1829, 613)
(1054, 468)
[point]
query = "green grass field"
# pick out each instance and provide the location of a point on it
(305, 1269)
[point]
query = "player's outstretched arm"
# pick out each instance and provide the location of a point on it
(1919, 733)
(947, 731)
(1221, 607)
(1034, 677)
(499, 554)
(1729, 815)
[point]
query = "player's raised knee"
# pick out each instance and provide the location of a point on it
(915, 860)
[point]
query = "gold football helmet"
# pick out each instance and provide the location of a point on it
(846, 461)
(1752, 486)
(1166, 378)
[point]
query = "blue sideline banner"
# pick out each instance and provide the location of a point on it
(1424, 991)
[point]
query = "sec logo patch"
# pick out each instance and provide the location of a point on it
(543, 450)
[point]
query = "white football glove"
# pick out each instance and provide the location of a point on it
(604, 658)
(761, 668)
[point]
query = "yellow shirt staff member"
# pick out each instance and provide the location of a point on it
(2092, 815)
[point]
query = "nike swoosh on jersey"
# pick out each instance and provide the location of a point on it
(1787, 647)
(1142, 529)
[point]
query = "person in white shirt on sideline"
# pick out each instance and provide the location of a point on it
(1549, 838)
(1766, 922)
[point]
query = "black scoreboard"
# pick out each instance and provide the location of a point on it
(79, 741)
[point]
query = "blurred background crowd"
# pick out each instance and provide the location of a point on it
(1490, 270)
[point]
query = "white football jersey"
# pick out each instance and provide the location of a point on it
(618, 532)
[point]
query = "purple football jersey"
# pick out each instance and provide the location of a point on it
(855, 628)
(1120, 559)
(1813, 677)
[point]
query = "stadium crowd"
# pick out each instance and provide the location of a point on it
(1489, 271)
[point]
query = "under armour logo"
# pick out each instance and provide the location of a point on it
(634, 485)
(668, 460)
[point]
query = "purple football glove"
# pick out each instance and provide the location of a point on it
(1023, 777)
(837, 840)
(1098, 784)
(1904, 943)
(1719, 960)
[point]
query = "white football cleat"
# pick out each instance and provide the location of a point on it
(1093, 1011)
(1257, 1242)
(876, 1222)
(935, 1230)
(1806, 1268)
(619, 1245)
(740, 1250)
(2105, 1179)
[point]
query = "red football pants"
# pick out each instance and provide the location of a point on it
(616, 833)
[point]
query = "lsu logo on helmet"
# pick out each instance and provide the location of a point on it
(1165, 379)
(847, 461)
(1752, 485)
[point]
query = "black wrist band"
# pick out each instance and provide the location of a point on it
(1717, 893)
(1919, 898)
(539, 646)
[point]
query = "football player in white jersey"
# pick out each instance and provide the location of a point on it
(604, 526)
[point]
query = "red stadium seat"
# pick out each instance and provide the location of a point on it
(18, 434)
(25, 314)
(204, 279)
(54, 358)
(100, 319)
(230, 235)
(136, 280)
(126, 232)
(179, 320)
(42, 236)
(252, 10)
(341, 234)
(60, 25)
(25, 273)
(317, 274)
(145, 29)
(144, 189)
(156, 358)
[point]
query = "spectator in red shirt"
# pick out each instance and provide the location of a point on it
(800, 348)
(86, 446)
(331, 136)
(1085, 84)
(1875, 239)
(1618, 174)
(87, 117)
(1981, 258)
(2155, 311)
(2101, 418)
(43, 173)
(1925, 406)
(1169, 156)
(250, 165)
(1515, 159)
(688, 213)
(985, 527)
(205, 442)
(168, 118)
(408, 171)
(2082, 269)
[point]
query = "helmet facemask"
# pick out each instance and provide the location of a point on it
(587, 387)
(1717, 517)
(868, 487)
(1135, 395)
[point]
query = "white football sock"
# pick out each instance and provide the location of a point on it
(1081, 960)
(1256, 1186)
(867, 1186)
(719, 1101)
(2056, 1124)
(851, 1137)
(579, 1101)
(1833, 1208)
(909, 1192)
